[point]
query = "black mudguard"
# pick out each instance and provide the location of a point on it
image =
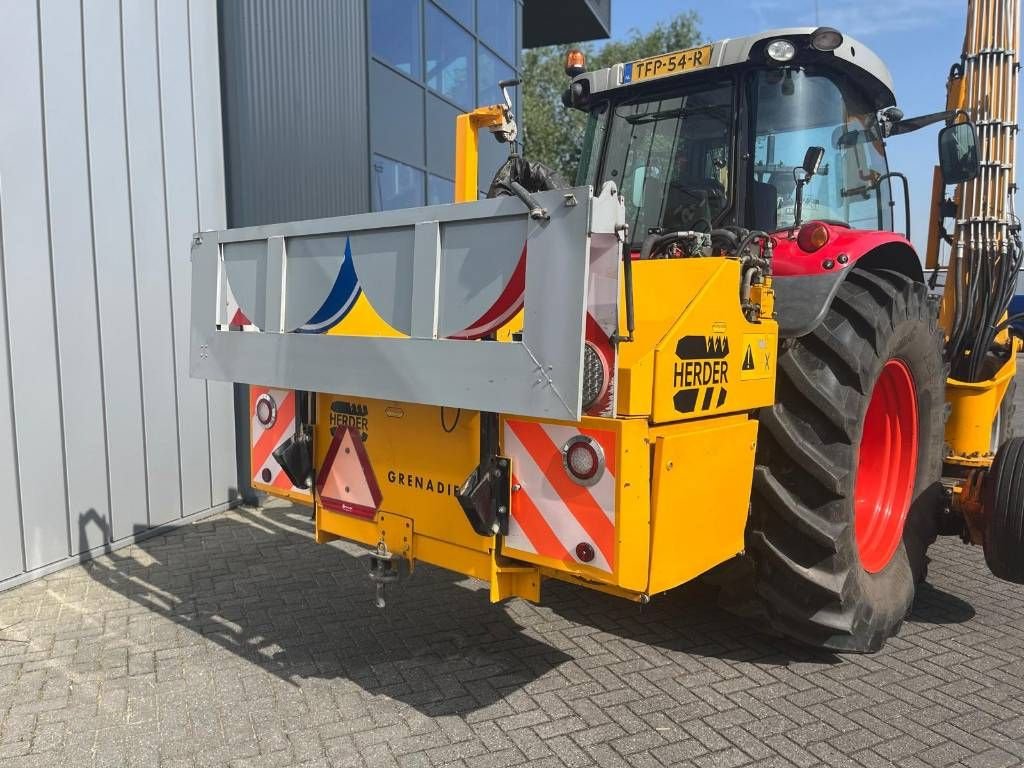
(801, 301)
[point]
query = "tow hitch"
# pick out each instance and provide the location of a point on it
(383, 571)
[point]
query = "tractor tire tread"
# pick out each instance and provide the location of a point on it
(806, 573)
(1004, 529)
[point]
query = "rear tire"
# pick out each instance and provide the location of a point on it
(1004, 513)
(808, 570)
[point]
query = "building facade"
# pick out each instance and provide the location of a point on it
(110, 158)
(128, 126)
(335, 108)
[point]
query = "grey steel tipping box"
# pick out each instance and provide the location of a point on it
(425, 269)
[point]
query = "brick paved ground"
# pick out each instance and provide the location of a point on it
(238, 641)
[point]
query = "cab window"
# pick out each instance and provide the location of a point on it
(799, 108)
(670, 157)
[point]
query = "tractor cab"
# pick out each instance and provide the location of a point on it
(716, 137)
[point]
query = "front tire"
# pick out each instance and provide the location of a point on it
(846, 488)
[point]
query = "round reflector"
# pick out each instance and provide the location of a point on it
(583, 459)
(266, 410)
(781, 50)
(585, 552)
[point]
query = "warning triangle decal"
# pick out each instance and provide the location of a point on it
(748, 359)
(346, 482)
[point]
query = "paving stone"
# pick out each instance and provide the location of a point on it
(238, 641)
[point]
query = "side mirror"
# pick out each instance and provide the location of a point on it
(812, 160)
(958, 153)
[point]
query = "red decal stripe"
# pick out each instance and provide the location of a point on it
(535, 527)
(511, 297)
(576, 497)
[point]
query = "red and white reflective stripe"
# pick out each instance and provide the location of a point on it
(552, 515)
(265, 440)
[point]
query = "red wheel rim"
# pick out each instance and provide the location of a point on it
(886, 466)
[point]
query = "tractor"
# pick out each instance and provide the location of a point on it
(712, 356)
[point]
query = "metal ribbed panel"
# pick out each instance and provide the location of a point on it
(113, 162)
(294, 88)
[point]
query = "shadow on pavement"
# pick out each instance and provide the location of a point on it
(256, 584)
(935, 606)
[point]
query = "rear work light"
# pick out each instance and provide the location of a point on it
(583, 459)
(813, 236)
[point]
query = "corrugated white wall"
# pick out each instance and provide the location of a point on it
(111, 156)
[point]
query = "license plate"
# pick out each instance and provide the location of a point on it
(668, 64)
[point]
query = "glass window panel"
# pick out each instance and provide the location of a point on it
(396, 115)
(460, 9)
(440, 131)
(450, 66)
(439, 190)
(395, 34)
(803, 108)
(496, 26)
(669, 155)
(492, 71)
(395, 185)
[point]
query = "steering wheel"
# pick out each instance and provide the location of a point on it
(707, 197)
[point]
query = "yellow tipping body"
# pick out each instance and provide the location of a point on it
(682, 475)
(702, 471)
(679, 455)
(680, 299)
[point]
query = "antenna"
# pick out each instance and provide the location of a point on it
(817, 15)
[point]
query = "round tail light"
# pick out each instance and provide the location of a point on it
(813, 236)
(266, 411)
(583, 459)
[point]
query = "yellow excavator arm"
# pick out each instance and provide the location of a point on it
(984, 252)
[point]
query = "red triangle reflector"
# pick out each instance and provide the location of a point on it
(346, 482)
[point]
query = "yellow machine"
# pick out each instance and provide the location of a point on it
(984, 256)
(762, 373)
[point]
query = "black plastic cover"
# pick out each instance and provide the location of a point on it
(484, 497)
(295, 455)
(534, 176)
(801, 301)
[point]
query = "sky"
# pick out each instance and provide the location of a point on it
(918, 39)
